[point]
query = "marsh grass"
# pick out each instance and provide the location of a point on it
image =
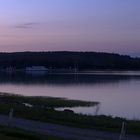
(40, 101)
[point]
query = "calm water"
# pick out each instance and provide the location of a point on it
(117, 92)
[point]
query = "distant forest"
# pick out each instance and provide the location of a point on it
(69, 60)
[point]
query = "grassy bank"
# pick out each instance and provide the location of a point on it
(42, 110)
(7, 133)
(44, 102)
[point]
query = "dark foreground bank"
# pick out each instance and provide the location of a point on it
(12, 133)
(42, 131)
(43, 109)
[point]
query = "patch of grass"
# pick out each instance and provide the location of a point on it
(3, 137)
(7, 133)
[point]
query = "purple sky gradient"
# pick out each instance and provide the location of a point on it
(72, 25)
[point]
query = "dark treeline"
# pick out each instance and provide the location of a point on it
(69, 60)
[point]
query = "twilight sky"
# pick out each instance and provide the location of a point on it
(79, 25)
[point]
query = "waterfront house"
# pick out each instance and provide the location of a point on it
(36, 68)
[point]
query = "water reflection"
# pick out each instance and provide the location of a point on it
(97, 109)
(92, 110)
(64, 79)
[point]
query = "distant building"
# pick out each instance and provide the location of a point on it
(36, 68)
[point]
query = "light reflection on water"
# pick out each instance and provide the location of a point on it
(119, 94)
